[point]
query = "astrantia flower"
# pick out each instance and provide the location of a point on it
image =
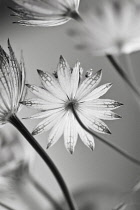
(12, 80)
(63, 90)
(112, 28)
(46, 12)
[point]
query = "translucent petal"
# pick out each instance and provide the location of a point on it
(44, 23)
(16, 75)
(57, 131)
(86, 138)
(48, 123)
(52, 85)
(43, 94)
(100, 104)
(64, 76)
(40, 104)
(93, 123)
(88, 85)
(75, 77)
(70, 133)
(97, 93)
(104, 115)
(44, 114)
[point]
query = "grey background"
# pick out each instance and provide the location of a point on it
(42, 48)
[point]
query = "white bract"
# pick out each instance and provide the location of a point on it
(63, 90)
(45, 12)
(111, 28)
(12, 84)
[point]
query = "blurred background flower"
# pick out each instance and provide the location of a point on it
(45, 13)
(112, 27)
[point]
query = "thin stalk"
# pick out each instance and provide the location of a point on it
(126, 59)
(115, 148)
(23, 130)
(5, 206)
(47, 195)
(125, 77)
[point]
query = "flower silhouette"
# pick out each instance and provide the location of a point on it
(12, 84)
(45, 13)
(63, 90)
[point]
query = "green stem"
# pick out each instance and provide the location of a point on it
(23, 130)
(44, 192)
(118, 150)
(125, 77)
(5, 206)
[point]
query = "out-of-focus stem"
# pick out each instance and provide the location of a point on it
(125, 77)
(47, 195)
(5, 206)
(32, 141)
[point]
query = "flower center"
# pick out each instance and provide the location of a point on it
(71, 103)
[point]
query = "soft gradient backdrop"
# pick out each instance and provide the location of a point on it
(42, 48)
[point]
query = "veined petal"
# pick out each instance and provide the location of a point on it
(48, 123)
(64, 75)
(97, 93)
(44, 23)
(88, 85)
(52, 85)
(43, 94)
(44, 114)
(75, 77)
(41, 104)
(100, 104)
(86, 138)
(57, 131)
(94, 123)
(70, 133)
(16, 74)
(104, 115)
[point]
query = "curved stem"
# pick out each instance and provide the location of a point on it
(125, 77)
(47, 195)
(23, 130)
(5, 206)
(120, 151)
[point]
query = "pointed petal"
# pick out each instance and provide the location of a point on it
(64, 75)
(100, 104)
(104, 115)
(47, 22)
(16, 74)
(44, 114)
(43, 94)
(40, 104)
(88, 85)
(70, 133)
(97, 93)
(48, 123)
(57, 131)
(86, 138)
(52, 85)
(93, 123)
(75, 78)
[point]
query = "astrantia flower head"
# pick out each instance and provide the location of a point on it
(111, 28)
(12, 80)
(63, 90)
(46, 12)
